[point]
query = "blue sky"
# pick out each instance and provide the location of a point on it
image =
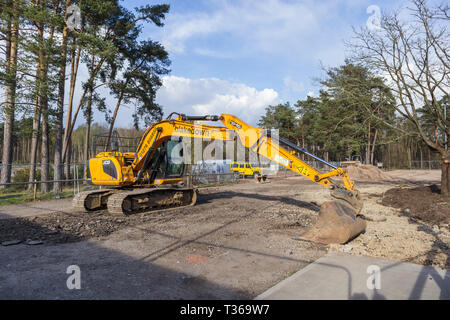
(231, 56)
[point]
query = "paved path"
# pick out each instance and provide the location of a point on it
(30, 209)
(340, 276)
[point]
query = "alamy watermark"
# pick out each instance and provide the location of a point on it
(193, 145)
(74, 280)
(74, 17)
(374, 21)
(374, 279)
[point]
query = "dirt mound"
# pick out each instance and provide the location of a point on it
(367, 172)
(424, 203)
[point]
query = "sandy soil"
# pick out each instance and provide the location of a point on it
(235, 243)
(395, 235)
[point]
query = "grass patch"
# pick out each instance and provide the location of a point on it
(16, 197)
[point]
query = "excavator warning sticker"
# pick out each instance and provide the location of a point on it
(302, 170)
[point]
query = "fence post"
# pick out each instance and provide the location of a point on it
(34, 190)
(74, 178)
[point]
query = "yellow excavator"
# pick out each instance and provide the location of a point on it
(147, 180)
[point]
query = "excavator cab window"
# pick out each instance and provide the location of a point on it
(170, 164)
(175, 164)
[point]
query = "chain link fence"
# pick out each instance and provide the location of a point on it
(284, 172)
(208, 179)
(426, 165)
(23, 189)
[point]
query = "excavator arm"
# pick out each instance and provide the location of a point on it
(271, 147)
(339, 220)
(274, 148)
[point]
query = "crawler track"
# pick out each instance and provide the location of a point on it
(150, 200)
(129, 201)
(92, 200)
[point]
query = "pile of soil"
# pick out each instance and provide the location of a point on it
(424, 203)
(367, 172)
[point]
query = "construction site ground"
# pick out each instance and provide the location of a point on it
(235, 243)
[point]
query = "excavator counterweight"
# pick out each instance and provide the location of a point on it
(149, 180)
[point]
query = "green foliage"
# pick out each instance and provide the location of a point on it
(352, 105)
(282, 117)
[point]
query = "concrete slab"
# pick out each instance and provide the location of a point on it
(338, 276)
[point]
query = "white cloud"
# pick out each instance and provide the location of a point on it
(293, 85)
(214, 96)
(307, 29)
(267, 26)
(311, 94)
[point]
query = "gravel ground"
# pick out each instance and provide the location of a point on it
(234, 244)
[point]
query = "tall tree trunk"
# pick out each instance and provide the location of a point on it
(111, 127)
(408, 152)
(88, 127)
(70, 123)
(68, 160)
(12, 36)
(58, 170)
(372, 152)
(421, 157)
(34, 138)
(67, 141)
(445, 174)
(45, 175)
(368, 145)
(44, 90)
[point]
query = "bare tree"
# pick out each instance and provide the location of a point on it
(411, 51)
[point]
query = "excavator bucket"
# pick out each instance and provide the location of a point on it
(338, 220)
(338, 223)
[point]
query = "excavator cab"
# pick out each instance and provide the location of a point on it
(114, 168)
(168, 167)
